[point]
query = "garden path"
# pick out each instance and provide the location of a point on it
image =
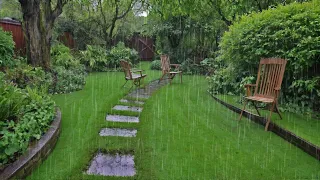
(122, 164)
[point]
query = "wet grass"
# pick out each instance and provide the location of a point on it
(302, 125)
(183, 134)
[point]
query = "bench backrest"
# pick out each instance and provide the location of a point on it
(126, 69)
(269, 77)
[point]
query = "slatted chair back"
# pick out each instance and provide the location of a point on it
(126, 69)
(270, 77)
(165, 63)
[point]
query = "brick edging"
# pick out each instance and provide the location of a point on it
(292, 138)
(35, 154)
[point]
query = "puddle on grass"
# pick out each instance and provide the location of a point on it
(119, 118)
(127, 108)
(118, 132)
(112, 165)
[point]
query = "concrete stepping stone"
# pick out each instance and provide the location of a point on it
(127, 108)
(131, 101)
(135, 95)
(119, 118)
(118, 132)
(112, 165)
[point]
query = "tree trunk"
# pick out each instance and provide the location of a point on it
(38, 19)
(37, 42)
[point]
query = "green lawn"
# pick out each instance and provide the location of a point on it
(183, 134)
(302, 125)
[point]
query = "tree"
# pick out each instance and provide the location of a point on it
(38, 19)
(118, 13)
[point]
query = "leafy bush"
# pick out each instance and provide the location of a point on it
(61, 56)
(204, 68)
(6, 49)
(95, 58)
(120, 52)
(290, 32)
(25, 116)
(67, 80)
(155, 65)
(24, 75)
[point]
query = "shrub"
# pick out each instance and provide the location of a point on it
(61, 56)
(25, 116)
(67, 80)
(6, 49)
(155, 65)
(95, 58)
(24, 75)
(120, 52)
(290, 32)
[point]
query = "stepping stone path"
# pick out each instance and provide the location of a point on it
(112, 165)
(127, 108)
(118, 132)
(119, 118)
(122, 165)
(131, 101)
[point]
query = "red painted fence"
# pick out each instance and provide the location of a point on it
(17, 33)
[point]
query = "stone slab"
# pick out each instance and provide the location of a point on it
(118, 132)
(112, 165)
(131, 101)
(119, 118)
(127, 108)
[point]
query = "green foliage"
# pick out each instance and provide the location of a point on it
(95, 58)
(24, 115)
(121, 52)
(61, 56)
(155, 65)
(290, 32)
(24, 75)
(67, 80)
(6, 49)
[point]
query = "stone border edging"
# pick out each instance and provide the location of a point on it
(35, 154)
(301, 143)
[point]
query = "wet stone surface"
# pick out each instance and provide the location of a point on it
(118, 132)
(150, 88)
(112, 165)
(127, 108)
(118, 118)
(131, 101)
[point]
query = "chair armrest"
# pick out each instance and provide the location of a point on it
(137, 70)
(176, 66)
(248, 90)
(277, 88)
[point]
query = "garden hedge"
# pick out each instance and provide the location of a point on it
(291, 32)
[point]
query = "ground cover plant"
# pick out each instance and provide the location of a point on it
(25, 115)
(173, 140)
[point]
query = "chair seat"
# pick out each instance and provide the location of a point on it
(260, 99)
(175, 72)
(137, 76)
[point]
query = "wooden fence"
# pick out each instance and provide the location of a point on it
(17, 33)
(144, 45)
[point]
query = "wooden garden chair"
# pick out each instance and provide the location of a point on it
(132, 74)
(166, 69)
(267, 87)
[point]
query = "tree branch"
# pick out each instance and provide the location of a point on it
(126, 12)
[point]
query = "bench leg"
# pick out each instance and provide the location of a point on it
(244, 107)
(269, 118)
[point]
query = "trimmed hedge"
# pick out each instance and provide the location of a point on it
(291, 32)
